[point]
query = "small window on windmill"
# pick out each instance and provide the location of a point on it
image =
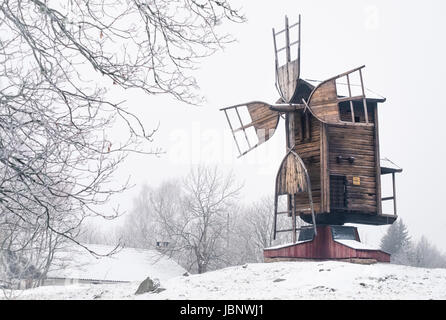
(352, 110)
(343, 233)
(345, 112)
(305, 124)
(306, 234)
(303, 127)
(358, 110)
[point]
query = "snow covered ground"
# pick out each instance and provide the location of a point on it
(281, 280)
(128, 264)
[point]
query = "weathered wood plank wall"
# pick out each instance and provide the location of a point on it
(307, 139)
(359, 142)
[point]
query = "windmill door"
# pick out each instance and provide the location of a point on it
(338, 192)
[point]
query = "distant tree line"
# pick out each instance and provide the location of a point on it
(405, 251)
(202, 222)
(199, 220)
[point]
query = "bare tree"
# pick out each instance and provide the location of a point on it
(426, 255)
(92, 233)
(197, 228)
(58, 60)
(27, 253)
(142, 227)
(163, 214)
(254, 229)
(235, 234)
(260, 219)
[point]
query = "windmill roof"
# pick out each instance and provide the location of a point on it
(387, 166)
(128, 264)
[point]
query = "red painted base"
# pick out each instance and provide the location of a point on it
(327, 245)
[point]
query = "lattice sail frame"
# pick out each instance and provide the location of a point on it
(324, 101)
(287, 75)
(263, 119)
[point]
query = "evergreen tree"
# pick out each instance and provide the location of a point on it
(396, 238)
(403, 251)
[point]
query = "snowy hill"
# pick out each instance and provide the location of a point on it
(281, 280)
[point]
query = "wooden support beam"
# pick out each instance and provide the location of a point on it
(307, 127)
(275, 215)
(352, 110)
(287, 40)
(298, 47)
(289, 133)
(252, 148)
(377, 161)
(275, 52)
(364, 99)
(292, 26)
(287, 107)
(351, 99)
(294, 218)
(325, 174)
(232, 131)
(394, 193)
(241, 123)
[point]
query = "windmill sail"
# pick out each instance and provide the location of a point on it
(287, 80)
(287, 75)
(263, 123)
(325, 98)
(292, 179)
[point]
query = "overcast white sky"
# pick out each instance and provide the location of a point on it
(400, 42)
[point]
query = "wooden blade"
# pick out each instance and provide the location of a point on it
(287, 80)
(291, 178)
(324, 100)
(263, 120)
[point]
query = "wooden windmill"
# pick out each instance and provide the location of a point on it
(331, 172)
